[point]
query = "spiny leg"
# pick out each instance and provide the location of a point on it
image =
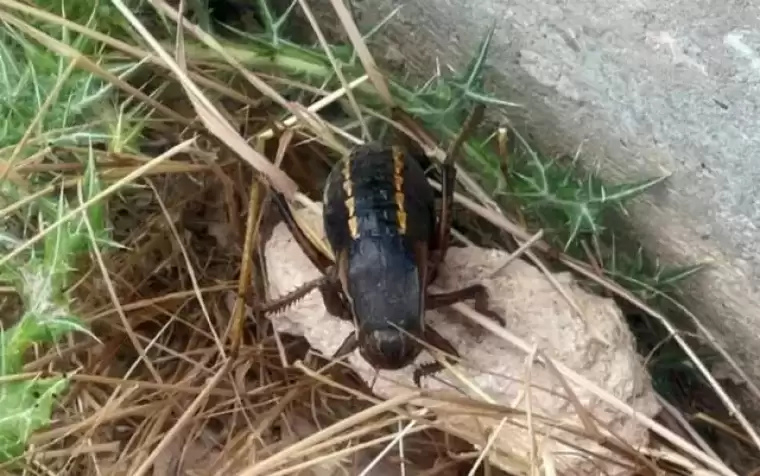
(478, 292)
(277, 305)
(329, 288)
(433, 338)
(328, 283)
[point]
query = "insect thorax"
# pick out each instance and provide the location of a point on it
(377, 192)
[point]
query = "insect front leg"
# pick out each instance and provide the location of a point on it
(478, 292)
(350, 343)
(432, 337)
(329, 284)
(336, 305)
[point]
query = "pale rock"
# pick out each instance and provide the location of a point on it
(536, 312)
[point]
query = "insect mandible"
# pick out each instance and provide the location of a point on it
(380, 220)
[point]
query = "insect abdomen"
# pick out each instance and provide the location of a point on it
(383, 282)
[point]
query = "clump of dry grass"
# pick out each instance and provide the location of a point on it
(173, 386)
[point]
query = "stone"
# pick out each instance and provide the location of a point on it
(536, 312)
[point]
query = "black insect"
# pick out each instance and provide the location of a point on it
(388, 242)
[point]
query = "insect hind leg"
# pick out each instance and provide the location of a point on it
(328, 283)
(277, 305)
(477, 292)
(448, 183)
(318, 259)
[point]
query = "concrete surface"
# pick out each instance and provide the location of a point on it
(645, 86)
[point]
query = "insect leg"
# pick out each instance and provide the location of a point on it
(436, 340)
(328, 283)
(329, 288)
(448, 183)
(478, 292)
(414, 129)
(277, 305)
(349, 345)
(320, 261)
(332, 297)
(472, 121)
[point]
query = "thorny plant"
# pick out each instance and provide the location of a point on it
(41, 278)
(42, 92)
(553, 194)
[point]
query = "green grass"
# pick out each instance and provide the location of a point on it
(45, 103)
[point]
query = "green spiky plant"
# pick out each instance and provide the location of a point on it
(41, 277)
(38, 87)
(552, 192)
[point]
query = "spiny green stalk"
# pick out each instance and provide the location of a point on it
(29, 74)
(100, 15)
(41, 279)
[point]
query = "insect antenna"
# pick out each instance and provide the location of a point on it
(374, 378)
(472, 121)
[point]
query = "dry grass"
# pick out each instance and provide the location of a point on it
(173, 387)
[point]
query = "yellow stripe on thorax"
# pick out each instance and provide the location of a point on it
(398, 182)
(348, 187)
